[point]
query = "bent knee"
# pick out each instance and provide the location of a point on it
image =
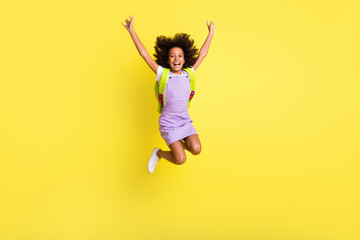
(196, 149)
(180, 159)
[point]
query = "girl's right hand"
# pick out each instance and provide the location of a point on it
(129, 24)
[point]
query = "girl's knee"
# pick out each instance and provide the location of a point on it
(180, 159)
(196, 149)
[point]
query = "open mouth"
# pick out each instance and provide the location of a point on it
(176, 64)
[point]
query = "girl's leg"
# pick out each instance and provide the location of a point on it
(193, 144)
(176, 155)
(184, 145)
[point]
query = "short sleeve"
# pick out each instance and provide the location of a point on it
(192, 69)
(159, 72)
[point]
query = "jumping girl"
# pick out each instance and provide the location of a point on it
(177, 53)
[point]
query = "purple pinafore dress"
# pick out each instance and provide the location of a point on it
(175, 123)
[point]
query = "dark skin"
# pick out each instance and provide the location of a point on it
(191, 143)
(177, 154)
(163, 45)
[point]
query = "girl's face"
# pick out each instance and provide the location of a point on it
(176, 60)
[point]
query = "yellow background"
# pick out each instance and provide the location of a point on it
(277, 109)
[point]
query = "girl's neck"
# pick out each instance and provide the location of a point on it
(177, 72)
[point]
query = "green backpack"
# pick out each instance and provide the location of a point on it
(160, 87)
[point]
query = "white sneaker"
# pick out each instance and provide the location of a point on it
(153, 161)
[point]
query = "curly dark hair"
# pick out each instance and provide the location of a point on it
(182, 40)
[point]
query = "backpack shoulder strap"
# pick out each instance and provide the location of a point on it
(192, 83)
(160, 87)
(192, 78)
(163, 80)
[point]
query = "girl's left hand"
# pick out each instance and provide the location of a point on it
(211, 27)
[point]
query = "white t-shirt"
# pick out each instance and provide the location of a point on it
(159, 72)
(161, 69)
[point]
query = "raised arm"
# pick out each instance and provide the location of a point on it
(205, 48)
(140, 47)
